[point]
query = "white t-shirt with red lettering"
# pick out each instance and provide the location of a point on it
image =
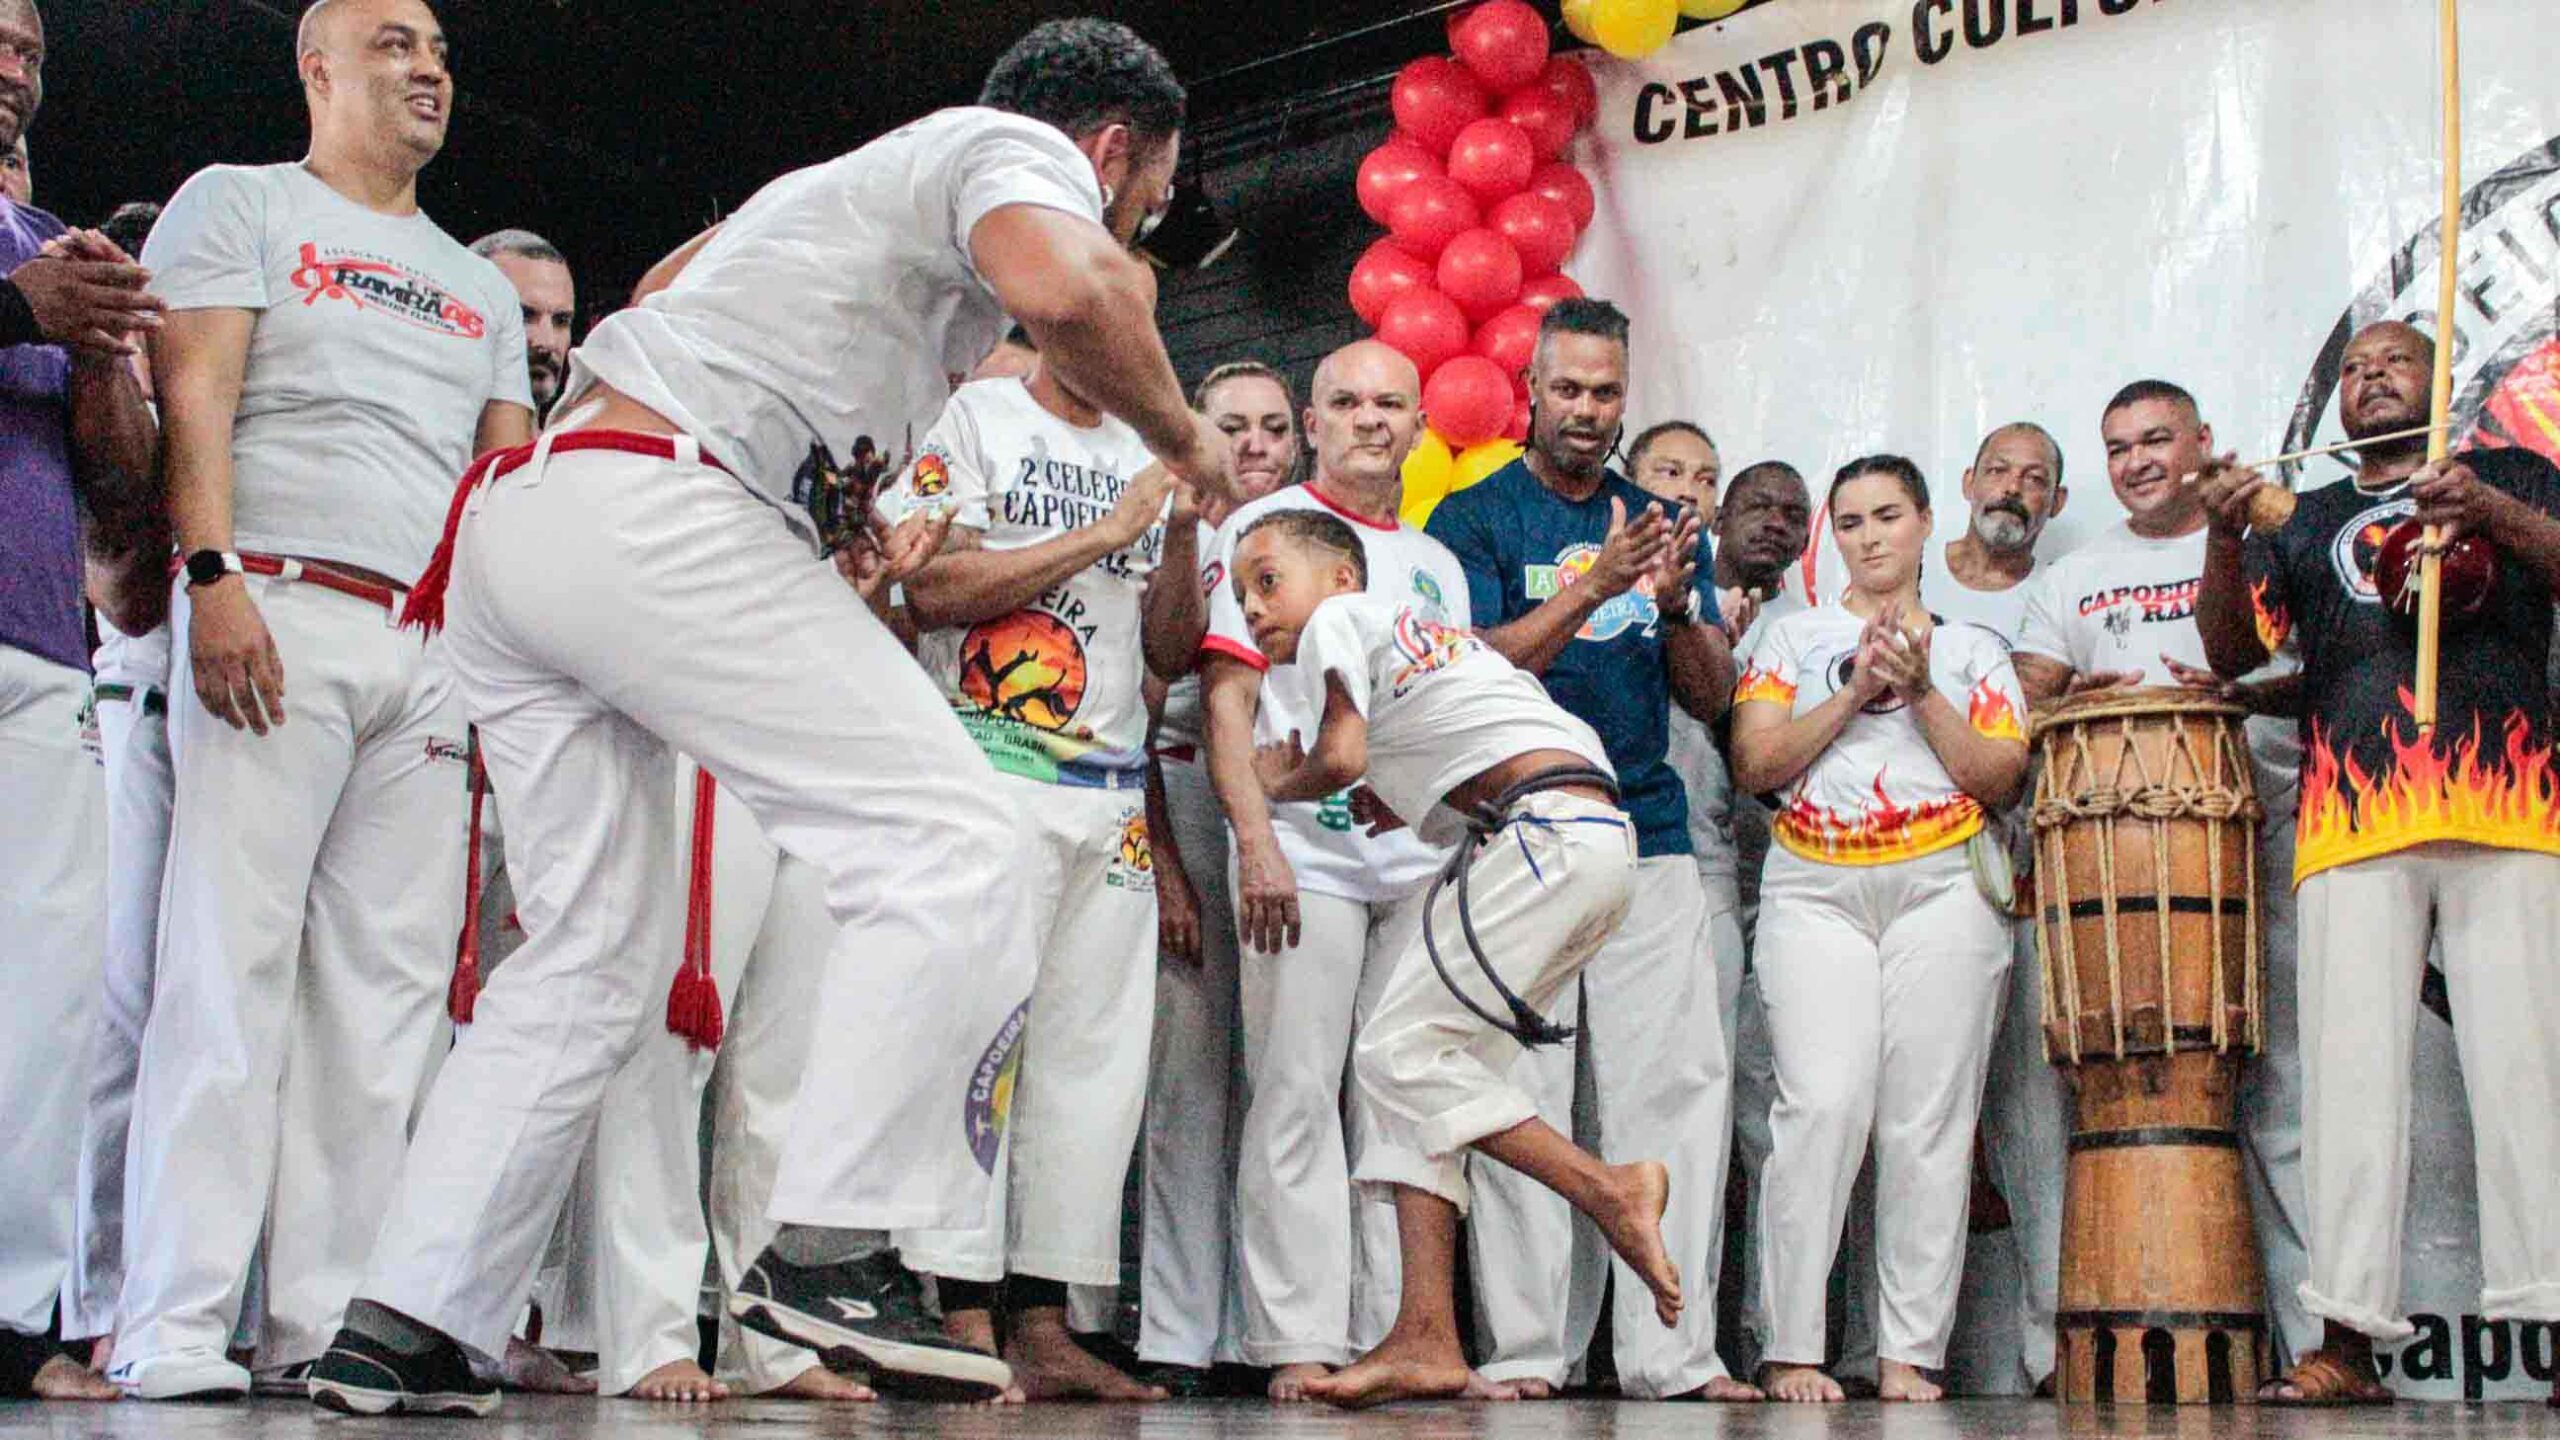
(379, 342)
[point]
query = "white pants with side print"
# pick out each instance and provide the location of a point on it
(1190, 1308)
(1881, 985)
(307, 924)
(1320, 1270)
(770, 936)
(1544, 894)
(606, 607)
(1087, 872)
(1653, 1021)
(52, 915)
(133, 738)
(2365, 931)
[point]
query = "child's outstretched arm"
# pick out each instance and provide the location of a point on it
(1340, 758)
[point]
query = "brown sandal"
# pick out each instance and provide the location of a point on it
(2322, 1379)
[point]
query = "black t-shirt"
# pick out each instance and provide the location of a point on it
(2370, 784)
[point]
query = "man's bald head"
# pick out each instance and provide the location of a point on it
(373, 73)
(2386, 379)
(1364, 412)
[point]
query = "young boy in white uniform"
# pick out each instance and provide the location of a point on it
(1444, 729)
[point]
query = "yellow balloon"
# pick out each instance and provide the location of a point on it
(1710, 9)
(1427, 472)
(1633, 29)
(1577, 21)
(1482, 460)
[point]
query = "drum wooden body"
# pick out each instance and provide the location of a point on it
(2146, 820)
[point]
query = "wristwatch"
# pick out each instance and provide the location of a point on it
(206, 566)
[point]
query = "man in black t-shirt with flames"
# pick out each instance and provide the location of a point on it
(2408, 837)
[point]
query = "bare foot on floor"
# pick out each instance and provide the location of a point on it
(102, 1355)
(1404, 1367)
(1529, 1388)
(1289, 1382)
(679, 1382)
(820, 1384)
(1801, 1385)
(1632, 1222)
(1906, 1383)
(536, 1371)
(1048, 1364)
(1479, 1388)
(1723, 1390)
(977, 1330)
(63, 1378)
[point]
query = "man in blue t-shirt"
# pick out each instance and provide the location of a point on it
(1588, 583)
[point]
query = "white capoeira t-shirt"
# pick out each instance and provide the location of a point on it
(833, 314)
(1060, 682)
(1327, 852)
(1442, 707)
(2120, 603)
(379, 342)
(1878, 793)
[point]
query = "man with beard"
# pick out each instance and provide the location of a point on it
(76, 442)
(333, 359)
(2408, 838)
(2120, 610)
(1578, 577)
(541, 276)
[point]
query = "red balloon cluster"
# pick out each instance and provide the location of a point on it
(1480, 210)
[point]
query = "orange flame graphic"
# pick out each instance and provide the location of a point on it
(1993, 716)
(1759, 684)
(2269, 613)
(1882, 834)
(2526, 404)
(2508, 799)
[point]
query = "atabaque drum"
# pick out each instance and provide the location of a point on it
(2146, 883)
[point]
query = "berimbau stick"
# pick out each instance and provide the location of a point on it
(2440, 405)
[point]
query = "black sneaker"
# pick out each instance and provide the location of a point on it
(362, 1376)
(289, 1382)
(866, 1315)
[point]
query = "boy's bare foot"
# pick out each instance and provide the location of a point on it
(63, 1378)
(1289, 1382)
(679, 1382)
(1907, 1383)
(823, 1385)
(1048, 1364)
(1801, 1385)
(1530, 1387)
(1722, 1390)
(1405, 1366)
(1631, 1219)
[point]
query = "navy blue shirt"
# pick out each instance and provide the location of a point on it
(1521, 543)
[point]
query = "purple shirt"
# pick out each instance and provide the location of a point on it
(40, 564)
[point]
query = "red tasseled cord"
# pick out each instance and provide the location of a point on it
(425, 609)
(462, 997)
(693, 1002)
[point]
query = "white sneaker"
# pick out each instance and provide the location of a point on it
(181, 1375)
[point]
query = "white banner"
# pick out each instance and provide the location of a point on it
(1845, 226)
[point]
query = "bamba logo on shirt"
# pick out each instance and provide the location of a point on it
(1616, 615)
(369, 282)
(1426, 647)
(2359, 546)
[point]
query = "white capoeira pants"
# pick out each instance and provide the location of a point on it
(133, 740)
(2365, 932)
(53, 803)
(1190, 1309)
(1318, 1263)
(606, 607)
(2270, 1108)
(1086, 872)
(770, 936)
(1545, 893)
(1881, 986)
(313, 892)
(1653, 1021)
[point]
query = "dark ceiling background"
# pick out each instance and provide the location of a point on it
(620, 127)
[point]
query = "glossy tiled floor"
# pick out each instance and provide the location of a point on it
(1233, 1420)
